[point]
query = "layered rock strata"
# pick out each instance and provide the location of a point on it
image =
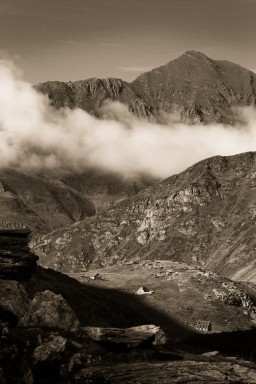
(16, 260)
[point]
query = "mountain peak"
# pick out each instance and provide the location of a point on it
(196, 55)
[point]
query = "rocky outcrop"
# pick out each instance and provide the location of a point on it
(16, 260)
(49, 311)
(231, 294)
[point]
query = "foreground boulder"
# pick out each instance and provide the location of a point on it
(16, 260)
(14, 302)
(50, 311)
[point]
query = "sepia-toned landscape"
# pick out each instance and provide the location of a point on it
(127, 209)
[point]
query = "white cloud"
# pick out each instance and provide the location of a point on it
(34, 136)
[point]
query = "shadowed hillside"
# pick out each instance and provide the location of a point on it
(45, 202)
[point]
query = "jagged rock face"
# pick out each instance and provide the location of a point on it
(203, 216)
(200, 89)
(16, 260)
(90, 95)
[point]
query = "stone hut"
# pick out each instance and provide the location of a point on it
(204, 325)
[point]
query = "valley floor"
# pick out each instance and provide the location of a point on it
(183, 294)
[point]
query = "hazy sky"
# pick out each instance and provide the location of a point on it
(77, 39)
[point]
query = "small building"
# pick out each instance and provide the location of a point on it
(204, 325)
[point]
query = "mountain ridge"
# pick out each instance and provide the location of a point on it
(201, 90)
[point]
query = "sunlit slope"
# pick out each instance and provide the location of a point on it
(204, 216)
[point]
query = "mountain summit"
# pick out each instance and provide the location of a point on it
(200, 89)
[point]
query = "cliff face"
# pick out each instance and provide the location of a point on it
(200, 89)
(204, 216)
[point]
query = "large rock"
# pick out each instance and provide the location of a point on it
(51, 311)
(129, 337)
(14, 302)
(16, 260)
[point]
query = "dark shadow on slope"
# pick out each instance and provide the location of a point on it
(105, 307)
(239, 343)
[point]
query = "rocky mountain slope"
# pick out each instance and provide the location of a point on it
(200, 89)
(204, 216)
(39, 203)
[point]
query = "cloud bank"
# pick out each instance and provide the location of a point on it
(35, 137)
